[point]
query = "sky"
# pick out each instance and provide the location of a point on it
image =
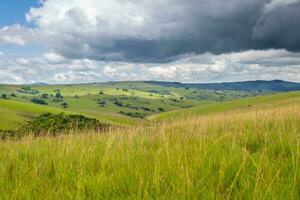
(76, 41)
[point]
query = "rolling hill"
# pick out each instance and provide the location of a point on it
(275, 85)
(245, 104)
(130, 103)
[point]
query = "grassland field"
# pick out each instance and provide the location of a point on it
(242, 153)
(123, 103)
(204, 144)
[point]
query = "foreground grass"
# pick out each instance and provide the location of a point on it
(234, 155)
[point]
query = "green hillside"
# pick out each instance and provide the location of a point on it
(247, 103)
(15, 113)
(121, 103)
(232, 155)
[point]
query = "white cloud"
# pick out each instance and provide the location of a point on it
(249, 65)
(273, 4)
(15, 34)
(53, 57)
(23, 61)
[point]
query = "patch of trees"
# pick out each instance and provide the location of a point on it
(161, 92)
(65, 105)
(58, 97)
(39, 101)
(28, 90)
(27, 87)
(133, 114)
(147, 109)
(55, 124)
(4, 96)
(101, 103)
(45, 96)
(118, 103)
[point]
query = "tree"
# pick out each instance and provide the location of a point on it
(58, 95)
(45, 96)
(13, 95)
(65, 105)
(4, 96)
(39, 101)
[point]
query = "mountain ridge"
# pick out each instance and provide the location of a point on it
(257, 85)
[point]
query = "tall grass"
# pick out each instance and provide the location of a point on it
(233, 155)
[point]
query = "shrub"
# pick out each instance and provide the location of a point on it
(4, 96)
(133, 114)
(65, 105)
(39, 101)
(13, 95)
(26, 87)
(45, 96)
(55, 124)
(118, 103)
(58, 95)
(101, 103)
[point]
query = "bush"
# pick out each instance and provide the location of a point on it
(65, 105)
(58, 95)
(133, 114)
(101, 103)
(55, 124)
(39, 101)
(4, 96)
(26, 87)
(118, 103)
(13, 95)
(45, 96)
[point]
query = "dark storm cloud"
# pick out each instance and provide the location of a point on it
(162, 30)
(279, 28)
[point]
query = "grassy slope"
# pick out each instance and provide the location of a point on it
(239, 154)
(138, 94)
(248, 103)
(14, 113)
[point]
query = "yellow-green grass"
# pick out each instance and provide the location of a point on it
(235, 155)
(247, 103)
(81, 90)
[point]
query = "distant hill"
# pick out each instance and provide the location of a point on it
(275, 85)
(39, 84)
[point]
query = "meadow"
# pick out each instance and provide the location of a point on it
(228, 145)
(242, 154)
(117, 103)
